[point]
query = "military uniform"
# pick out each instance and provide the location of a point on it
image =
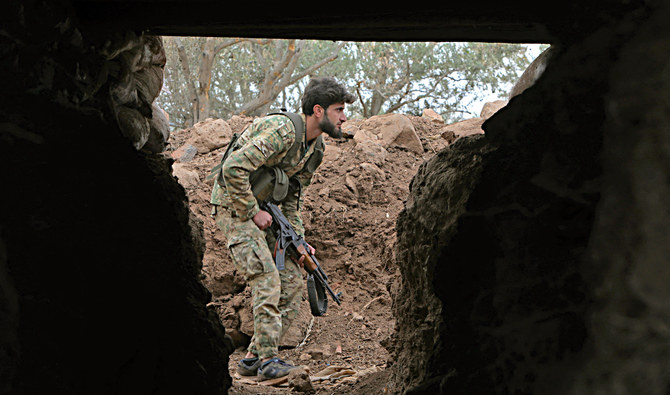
(276, 294)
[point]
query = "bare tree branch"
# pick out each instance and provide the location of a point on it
(427, 93)
(318, 65)
(280, 75)
(360, 98)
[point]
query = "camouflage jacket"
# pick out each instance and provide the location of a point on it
(265, 142)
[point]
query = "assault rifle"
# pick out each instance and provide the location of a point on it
(289, 240)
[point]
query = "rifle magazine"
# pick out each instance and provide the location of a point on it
(318, 300)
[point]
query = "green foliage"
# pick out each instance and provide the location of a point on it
(236, 78)
(403, 77)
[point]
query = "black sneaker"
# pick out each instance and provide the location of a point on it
(248, 366)
(273, 369)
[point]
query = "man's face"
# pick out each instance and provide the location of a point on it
(331, 124)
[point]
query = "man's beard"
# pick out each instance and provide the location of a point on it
(329, 128)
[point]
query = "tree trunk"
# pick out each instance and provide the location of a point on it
(199, 95)
(376, 103)
(205, 79)
(186, 69)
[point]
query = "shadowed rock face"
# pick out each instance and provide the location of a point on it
(100, 260)
(533, 257)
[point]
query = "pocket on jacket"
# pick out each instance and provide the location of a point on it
(251, 257)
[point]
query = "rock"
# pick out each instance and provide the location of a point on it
(210, 134)
(532, 73)
(187, 178)
(369, 151)
(465, 128)
(357, 317)
(397, 129)
(491, 108)
(439, 141)
(159, 130)
(351, 184)
(133, 124)
(390, 130)
(299, 381)
(448, 135)
(135, 84)
(185, 153)
(238, 338)
(224, 284)
(432, 115)
(318, 353)
(366, 135)
(350, 128)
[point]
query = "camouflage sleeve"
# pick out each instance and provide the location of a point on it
(292, 205)
(269, 138)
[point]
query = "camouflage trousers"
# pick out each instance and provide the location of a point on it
(276, 295)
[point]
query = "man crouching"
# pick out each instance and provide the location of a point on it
(269, 143)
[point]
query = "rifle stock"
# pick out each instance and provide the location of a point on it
(310, 264)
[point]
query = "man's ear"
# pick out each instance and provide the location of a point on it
(318, 110)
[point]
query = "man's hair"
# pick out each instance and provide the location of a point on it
(324, 91)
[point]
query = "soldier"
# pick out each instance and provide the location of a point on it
(276, 294)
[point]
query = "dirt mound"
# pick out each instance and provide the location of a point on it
(349, 214)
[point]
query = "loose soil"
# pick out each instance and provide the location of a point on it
(349, 214)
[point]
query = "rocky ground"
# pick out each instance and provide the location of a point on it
(349, 214)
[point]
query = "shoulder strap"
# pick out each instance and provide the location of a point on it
(299, 125)
(317, 156)
(315, 160)
(216, 170)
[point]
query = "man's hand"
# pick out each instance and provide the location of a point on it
(301, 260)
(262, 219)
